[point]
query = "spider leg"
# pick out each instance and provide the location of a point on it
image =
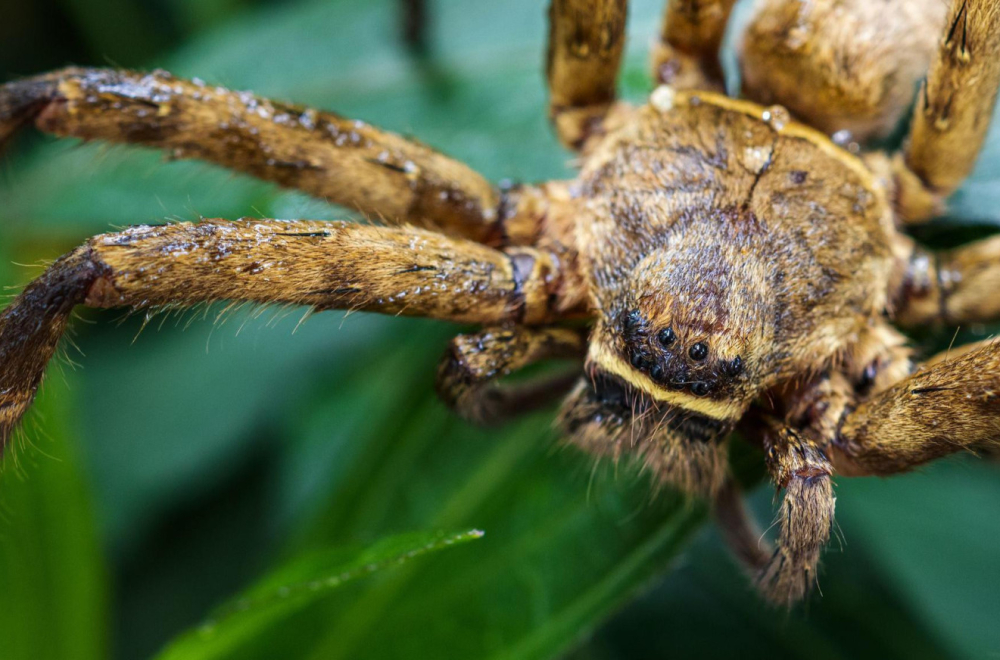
(797, 459)
(686, 55)
(468, 373)
(321, 264)
(950, 404)
(586, 40)
(953, 110)
(798, 464)
(415, 18)
(951, 287)
(383, 175)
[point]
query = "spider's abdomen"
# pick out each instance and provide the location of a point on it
(736, 229)
(840, 64)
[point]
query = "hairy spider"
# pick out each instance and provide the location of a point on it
(715, 266)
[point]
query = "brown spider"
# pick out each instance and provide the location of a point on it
(716, 265)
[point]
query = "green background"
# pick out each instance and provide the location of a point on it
(314, 472)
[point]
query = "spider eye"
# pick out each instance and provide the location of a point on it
(656, 373)
(667, 336)
(698, 352)
(632, 320)
(700, 388)
(733, 367)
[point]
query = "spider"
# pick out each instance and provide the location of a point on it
(716, 266)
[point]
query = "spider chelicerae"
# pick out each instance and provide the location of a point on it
(716, 266)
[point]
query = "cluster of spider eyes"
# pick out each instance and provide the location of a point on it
(633, 324)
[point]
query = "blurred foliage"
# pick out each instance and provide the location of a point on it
(53, 581)
(242, 627)
(173, 471)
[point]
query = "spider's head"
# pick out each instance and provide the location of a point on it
(691, 325)
(681, 350)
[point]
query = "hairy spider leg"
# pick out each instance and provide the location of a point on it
(953, 110)
(799, 465)
(386, 177)
(796, 455)
(325, 265)
(686, 54)
(949, 405)
(468, 373)
(950, 287)
(586, 41)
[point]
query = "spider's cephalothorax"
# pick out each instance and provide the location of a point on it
(721, 264)
(736, 268)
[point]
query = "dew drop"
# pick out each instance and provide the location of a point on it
(842, 137)
(663, 97)
(776, 116)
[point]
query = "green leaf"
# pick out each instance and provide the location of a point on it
(934, 535)
(565, 545)
(707, 608)
(239, 624)
(195, 403)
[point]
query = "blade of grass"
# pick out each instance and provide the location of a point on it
(296, 586)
